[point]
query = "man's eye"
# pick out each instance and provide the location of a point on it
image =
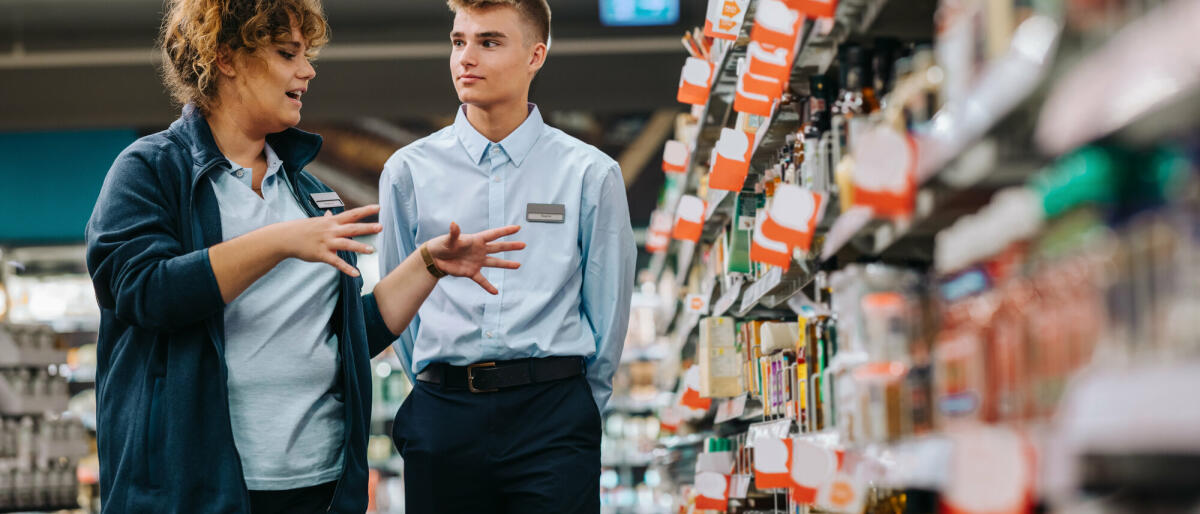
(287, 55)
(457, 42)
(490, 43)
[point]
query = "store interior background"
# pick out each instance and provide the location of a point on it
(79, 82)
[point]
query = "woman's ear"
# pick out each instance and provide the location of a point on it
(225, 63)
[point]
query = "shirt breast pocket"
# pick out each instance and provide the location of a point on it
(551, 232)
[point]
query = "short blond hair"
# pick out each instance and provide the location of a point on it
(534, 12)
(194, 32)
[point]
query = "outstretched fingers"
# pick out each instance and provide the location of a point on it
(358, 229)
(454, 233)
(505, 246)
(492, 262)
(351, 245)
(333, 260)
(483, 282)
(359, 213)
(497, 233)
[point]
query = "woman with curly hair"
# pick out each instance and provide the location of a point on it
(234, 344)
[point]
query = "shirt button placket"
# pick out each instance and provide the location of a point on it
(496, 208)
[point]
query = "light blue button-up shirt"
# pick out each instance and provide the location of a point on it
(571, 295)
(280, 348)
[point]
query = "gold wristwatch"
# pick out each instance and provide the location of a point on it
(429, 264)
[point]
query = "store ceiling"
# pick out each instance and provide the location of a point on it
(87, 63)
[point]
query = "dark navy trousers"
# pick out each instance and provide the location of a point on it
(526, 450)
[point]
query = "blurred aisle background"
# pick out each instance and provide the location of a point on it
(947, 248)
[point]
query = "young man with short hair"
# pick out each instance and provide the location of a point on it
(505, 412)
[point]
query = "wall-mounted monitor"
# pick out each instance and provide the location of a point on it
(635, 13)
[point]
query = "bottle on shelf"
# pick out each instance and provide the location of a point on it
(857, 96)
(814, 170)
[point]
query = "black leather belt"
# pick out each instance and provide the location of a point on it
(489, 377)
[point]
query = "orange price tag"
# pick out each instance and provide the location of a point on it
(731, 162)
(777, 24)
(695, 81)
(689, 219)
(794, 215)
(773, 463)
(675, 157)
(659, 236)
(885, 172)
(770, 61)
(691, 391)
(758, 103)
(813, 467)
(724, 18)
(815, 8)
(713, 491)
(766, 250)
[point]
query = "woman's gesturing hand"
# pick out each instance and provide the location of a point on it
(465, 255)
(319, 239)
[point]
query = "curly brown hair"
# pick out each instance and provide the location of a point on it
(195, 32)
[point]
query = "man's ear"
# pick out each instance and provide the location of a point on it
(225, 62)
(538, 57)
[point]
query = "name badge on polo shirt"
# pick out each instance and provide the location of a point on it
(546, 213)
(326, 201)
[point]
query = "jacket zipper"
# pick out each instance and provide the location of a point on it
(342, 337)
(342, 341)
(198, 243)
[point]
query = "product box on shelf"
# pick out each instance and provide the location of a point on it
(720, 376)
(39, 447)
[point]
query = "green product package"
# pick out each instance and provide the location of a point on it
(1110, 177)
(1087, 176)
(738, 253)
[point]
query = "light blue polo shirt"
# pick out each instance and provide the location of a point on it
(280, 347)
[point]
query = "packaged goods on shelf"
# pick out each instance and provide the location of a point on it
(959, 288)
(718, 359)
(40, 446)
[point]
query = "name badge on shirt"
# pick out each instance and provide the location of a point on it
(325, 201)
(546, 213)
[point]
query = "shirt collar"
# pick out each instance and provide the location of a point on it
(517, 145)
(274, 163)
(296, 147)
